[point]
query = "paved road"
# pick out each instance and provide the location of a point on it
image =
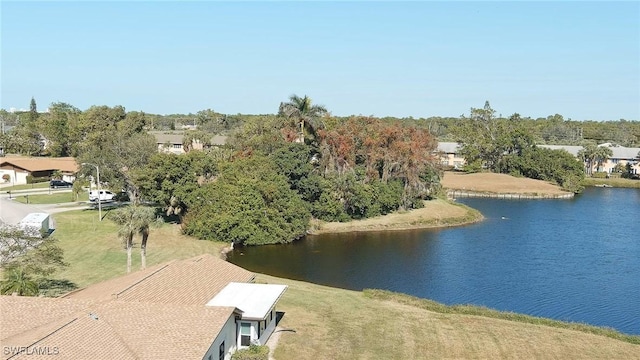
(11, 212)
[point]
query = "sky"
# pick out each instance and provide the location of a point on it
(579, 59)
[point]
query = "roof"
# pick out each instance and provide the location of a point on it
(176, 138)
(621, 152)
(31, 164)
(449, 147)
(254, 300)
(76, 329)
(189, 282)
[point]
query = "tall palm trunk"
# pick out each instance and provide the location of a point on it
(129, 248)
(143, 248)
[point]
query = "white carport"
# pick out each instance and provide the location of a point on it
(257, 303)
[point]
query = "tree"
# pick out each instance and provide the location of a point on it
(250, 203)
(60, 129)
(134, 220)
(23, 256)
(168, 179)
(592, 155)
(117, 144)
(33, 111)
(17, 281)
(193, 137)
(306, 115)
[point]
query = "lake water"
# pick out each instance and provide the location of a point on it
(573, 260)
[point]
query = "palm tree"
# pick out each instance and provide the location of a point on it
(304, 113)
(17, 281)
(134, 220)
(602, 154)
(588, 156)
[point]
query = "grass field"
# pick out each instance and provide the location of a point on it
(56, 197)
(328, 323)
(620, 183)
(42, 185)
(95, 253)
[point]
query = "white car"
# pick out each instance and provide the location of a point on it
(104, 196)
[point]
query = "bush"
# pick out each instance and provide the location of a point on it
(34, 180)
(254, 352)
(600, 175)
(6, 177)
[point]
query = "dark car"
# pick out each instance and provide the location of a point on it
(59, 184)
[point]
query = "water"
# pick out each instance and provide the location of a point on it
(573, 260)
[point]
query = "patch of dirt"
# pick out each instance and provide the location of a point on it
(498, 183)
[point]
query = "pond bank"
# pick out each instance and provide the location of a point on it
(434, 214)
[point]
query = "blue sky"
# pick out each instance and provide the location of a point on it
(578, 59)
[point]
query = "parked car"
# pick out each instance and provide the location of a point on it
(59, 184)
(104, 196)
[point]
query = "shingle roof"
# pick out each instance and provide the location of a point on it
(65, 164)
(192, 281)
(75, 329)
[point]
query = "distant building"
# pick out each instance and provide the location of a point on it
(17, 168)
(450, 156)
(171, 141)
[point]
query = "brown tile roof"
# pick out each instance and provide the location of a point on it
(193, 281)
(75, 329)
(65, 164)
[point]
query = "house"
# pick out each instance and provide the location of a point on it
(15, 169)
(449, 154)
(34, 327)
(171, 141)
(257, 303)
(162, 312)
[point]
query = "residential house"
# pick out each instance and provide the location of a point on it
(171, 141)
(449, 154)
(162, 312)
(17, 168)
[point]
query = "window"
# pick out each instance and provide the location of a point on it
(245, 334)
(221, 352)
(177, 146)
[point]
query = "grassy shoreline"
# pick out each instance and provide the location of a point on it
(436, 213)
(617, 183)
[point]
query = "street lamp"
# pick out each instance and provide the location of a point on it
(98, 176)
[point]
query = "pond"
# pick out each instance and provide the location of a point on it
(573, 260)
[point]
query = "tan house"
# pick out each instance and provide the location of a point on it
(158, 313)
(17, 168)
(171, 141)
(449, 154)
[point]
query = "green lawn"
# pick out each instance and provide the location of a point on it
(95, 253)
(55, 197)
(42, 185)
(619, 182)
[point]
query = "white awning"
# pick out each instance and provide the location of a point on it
(255, 300)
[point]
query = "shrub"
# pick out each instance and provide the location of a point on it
(254, 352)
(33, 180)
(599, 175)
(6, 177)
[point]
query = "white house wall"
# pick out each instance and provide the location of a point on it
(231, 341)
